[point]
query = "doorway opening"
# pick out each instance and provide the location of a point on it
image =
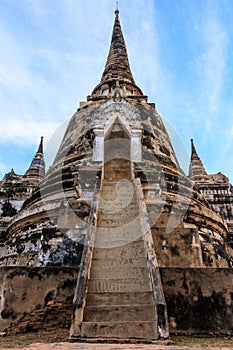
(117, 153)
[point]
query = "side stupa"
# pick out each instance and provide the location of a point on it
(116, 206)
(16, 188)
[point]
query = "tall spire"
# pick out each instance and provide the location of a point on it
(117, 67)
(196, 168)
(193, 150)
(36, 171)
(40, 148)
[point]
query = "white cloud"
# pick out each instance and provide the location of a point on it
(26, 132)
(214, 60)
(13, 63)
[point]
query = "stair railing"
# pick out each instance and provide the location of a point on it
(160, 303)
(85, 266)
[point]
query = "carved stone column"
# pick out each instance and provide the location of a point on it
(98, 149)
(136, 148)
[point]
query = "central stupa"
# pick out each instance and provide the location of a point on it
(116, 203)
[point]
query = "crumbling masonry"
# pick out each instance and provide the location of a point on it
(115, 240)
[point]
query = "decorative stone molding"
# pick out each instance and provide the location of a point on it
(111, 109)
(105, 116)
(98, 147)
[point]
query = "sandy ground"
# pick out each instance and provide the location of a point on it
(86, 346)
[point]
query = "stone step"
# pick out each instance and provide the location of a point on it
(106, 299)
(116, 182)
(117, 313)
(118, 185)
(121, 218)
(122, 200)
(123, 330)
(119, 272)
(119, 285)
(131, 250)
(119, 262)
(117, 236)
(116, 232)
(113, 243)
(118, 220)
(120, 197)
(112, 207)
(128, 239)
(117, 190)
(111, 199)
(110, 203)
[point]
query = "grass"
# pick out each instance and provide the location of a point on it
(218, 342)
(22, 340)
(57, 336)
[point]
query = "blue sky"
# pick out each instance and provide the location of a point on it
(53, 54)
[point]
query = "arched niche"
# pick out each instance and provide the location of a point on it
(105, 130)
(117, 153)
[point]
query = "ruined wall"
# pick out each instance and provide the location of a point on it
(179, 248)
(199, 300)
(9, 206)
(36, 298)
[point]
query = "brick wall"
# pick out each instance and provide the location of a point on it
(36, 298)
(199, 300)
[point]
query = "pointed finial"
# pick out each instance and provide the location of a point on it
(117, 65)
(36, 169)
(196, 168)
(117, 8)
(193, 148)
(40, 148)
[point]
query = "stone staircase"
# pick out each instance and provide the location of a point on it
(119, 299)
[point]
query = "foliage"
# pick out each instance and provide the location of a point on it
(14, 188)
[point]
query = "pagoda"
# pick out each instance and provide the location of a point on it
(116, 204)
